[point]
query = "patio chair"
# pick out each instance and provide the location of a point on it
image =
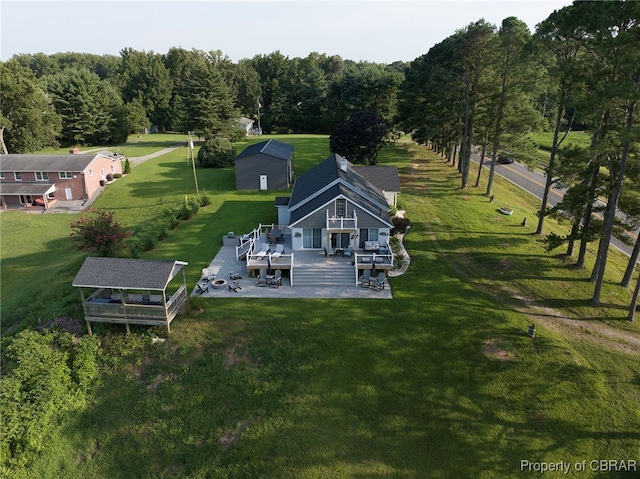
(277, 253)
(276, 282)
(366, 278)
(207, 274)
(235, 286)
(263, 250)
(262, 277)
(379, 281)
(348, 252)
(202, 287)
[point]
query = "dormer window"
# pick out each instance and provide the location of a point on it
(42, 176)
(17, 175)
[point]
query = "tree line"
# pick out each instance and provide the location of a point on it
(486, 88)
(81, 99)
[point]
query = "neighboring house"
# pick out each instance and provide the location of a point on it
(336, 205)
(267, 165)
(246, 125)
(41, 180)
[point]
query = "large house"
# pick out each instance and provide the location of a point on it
(39, 181)
(267, 165)
(336, 205)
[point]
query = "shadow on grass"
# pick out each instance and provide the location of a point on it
(346, 388)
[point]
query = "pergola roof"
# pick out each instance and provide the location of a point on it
(126, 273)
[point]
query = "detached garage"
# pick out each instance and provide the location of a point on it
(267, 165)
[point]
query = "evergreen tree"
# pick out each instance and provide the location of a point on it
(28, 121)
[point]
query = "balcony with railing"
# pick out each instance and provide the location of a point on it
(342, 223)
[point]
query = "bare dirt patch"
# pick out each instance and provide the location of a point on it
(237, 355)
(594, 331)
(232, 435)
(494, 349)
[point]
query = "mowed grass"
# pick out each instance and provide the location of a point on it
(361, 388)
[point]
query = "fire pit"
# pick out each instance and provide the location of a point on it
(219, 283)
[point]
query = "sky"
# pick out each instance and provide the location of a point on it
(382, 31)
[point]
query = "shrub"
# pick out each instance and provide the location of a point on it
(399, 225)
(47, 375)
(205, 199)
(127, 167)
(216, 153)
(117, 175)
(98, 233)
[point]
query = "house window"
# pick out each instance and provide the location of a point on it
(1, 175)
(65, 175)
(367, 234)
(42, 176)
(341, 208)
(17, 175)
(312, 238)
(90, 171)
(26, 199)
(113, 168)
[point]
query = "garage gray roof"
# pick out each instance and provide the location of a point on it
(274, 148)
(127, 273)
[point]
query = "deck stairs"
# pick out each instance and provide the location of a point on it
(329, 272)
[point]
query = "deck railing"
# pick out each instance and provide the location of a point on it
(342, 222)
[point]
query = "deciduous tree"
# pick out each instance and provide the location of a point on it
(360, 137)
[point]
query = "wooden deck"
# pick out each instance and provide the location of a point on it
(134, 308)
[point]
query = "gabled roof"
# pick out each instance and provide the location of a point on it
(15, 162)
(274, 148)
(330, 179)
(328, 172)
(127, 273)
(335, 191)
(244, 121)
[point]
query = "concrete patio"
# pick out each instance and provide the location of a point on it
(225, 263)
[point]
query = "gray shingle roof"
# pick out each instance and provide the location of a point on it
(274, 148)
(327, 172)
(126, 273)
(34, 189)
(15, 162)
(384, 177)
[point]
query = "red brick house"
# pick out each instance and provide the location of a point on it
(39, 181)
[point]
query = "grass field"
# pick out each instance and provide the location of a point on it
(440, 382)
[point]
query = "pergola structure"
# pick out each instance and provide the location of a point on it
(131, 291)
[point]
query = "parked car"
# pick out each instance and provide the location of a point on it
(505, 159)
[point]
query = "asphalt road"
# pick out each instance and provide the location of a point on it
(533, 182)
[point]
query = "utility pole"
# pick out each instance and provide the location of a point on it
(193, 164)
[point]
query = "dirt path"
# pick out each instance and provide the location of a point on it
(594, 331)
(136, 160)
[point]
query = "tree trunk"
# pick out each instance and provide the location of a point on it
(552, 158)
(634, 301)
(3, 146)
(572, 238)
(484, 150)
(612, 207)
(631, 266)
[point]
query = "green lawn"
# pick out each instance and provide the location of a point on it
(440, 382)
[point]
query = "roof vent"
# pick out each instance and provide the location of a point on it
(343, 164)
